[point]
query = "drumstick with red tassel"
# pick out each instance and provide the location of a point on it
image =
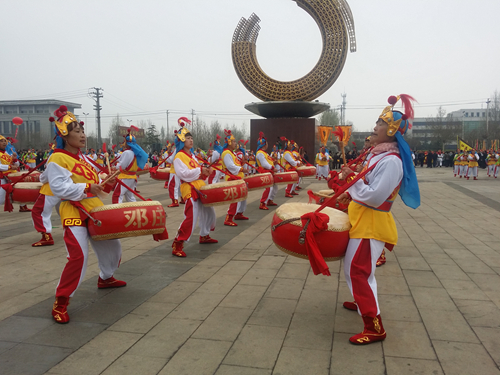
(227, 173)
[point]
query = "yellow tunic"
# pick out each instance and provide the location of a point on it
(287, 165)
(6, 159)
(191, 163)
(266, 155)
(236, 162)
(82, 172)
(129, 173)
(320, 160)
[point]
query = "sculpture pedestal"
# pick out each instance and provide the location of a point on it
(301, 130)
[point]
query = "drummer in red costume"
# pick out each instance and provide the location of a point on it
(192, 177)
(132, 159)
(373, 226)
(232, 164)
(264, 161)
(290, 164)
(76, 183)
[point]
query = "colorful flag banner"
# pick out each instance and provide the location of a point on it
(324, 134)
(464, 146)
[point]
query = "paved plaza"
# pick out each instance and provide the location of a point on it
(244, 307)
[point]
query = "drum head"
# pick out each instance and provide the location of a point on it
(28, 185)
(339, 221)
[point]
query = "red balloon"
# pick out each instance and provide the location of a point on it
(17, 121)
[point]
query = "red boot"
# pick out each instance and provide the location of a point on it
(60, 310)
(374, 331)
(24, 209)
(175, 203)
(239, 216)
(475, 178)
(382, 259)
(46, 240)
(177, 247)
(263, 206)
(110, 283)
(183, 201)
(288, 195)
(271, 203)
(207, 239)
(298, 188)
(166, 185)
(350, 305)
(293, 193)
(229, 221)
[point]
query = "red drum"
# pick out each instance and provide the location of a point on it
(162, 174)
(286, 178)
(306, 171)
(259, 181)
(143, 171)
(323, 195)
(26, 192)
(223, 193)
(332, 243)
(16, 176)
(130, 219)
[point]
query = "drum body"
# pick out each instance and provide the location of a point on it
(26, 192)
(332, 243)
(306, 171)
(286, 178)
(223, 193)
(130, 219)
(161, 174)
(326, 194)
(259, 181)
(34, 177)
(140, 172)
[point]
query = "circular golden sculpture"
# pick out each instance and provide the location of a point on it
(336, 24)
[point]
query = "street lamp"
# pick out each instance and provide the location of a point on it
(129, 121)
(463, 124)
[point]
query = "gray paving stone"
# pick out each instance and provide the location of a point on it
(285, 288)
(411, 366)
(19, 328)
(224, 323)
(422, 278)
(490, 338)
(479, 314)
(407, 340)
(132, 365)
(6, 345)
(398, 308)
(432, 298)
(273, 312)
(310, 331)
(41, 359)
(71, 336)
(300, 361)
(239, 370)
(197, 306)
(104, 313)
(447, 326)
(464, 358)
(353, 360)
(244, 296)
(167, 337)
(197, 357)
(256, 346)
(317, 301)
(176, 292)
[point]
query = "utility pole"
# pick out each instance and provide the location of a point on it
(96, 95)
(342, 114)
(487, 114)
(168, 134)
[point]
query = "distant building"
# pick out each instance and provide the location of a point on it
(469, 119)
(36, 127)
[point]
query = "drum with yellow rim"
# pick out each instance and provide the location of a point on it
(161, 174)
(286, 178)
(130, 219)
(332, 243)
(26, 192)
(259, 181)
(145, 170)
(16, 176)
(223, 193)
(306, 171)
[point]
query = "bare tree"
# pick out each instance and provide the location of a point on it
(443, 128)
(330, 117)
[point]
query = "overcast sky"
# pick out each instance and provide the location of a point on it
(150, 56)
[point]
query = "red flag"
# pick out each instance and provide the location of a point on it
(104, 147)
